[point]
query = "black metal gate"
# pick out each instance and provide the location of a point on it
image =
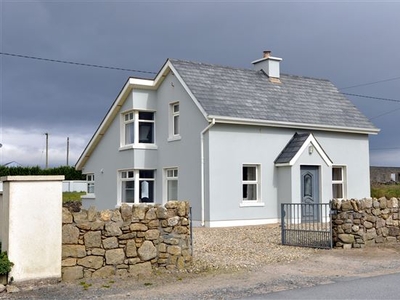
(306, 225)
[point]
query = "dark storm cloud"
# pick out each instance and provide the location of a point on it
(347, 43)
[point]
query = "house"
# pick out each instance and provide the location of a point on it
(384, 175)
(234, 142)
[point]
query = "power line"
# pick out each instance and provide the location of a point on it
(75, 63)
(370, 83)
(372, 97)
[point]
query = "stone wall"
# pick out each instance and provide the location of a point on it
(367, 222)
(129, 240)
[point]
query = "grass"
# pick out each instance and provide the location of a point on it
(72, 196)
(385, 190)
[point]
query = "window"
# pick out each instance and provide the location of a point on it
(250, 182)
(137, 186)
(338, 183)
(174, 121)
(90, 183)
(171, 178)
(138, 127)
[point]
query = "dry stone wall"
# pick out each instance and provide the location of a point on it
(129, 240)
(366, 222)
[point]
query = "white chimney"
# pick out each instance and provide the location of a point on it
(269, 64)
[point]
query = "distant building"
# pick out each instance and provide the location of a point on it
(385, 174)
(12, 164)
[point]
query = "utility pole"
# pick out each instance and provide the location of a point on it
(67, 150)
(47, 149)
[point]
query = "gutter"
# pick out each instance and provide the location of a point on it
(202, 169)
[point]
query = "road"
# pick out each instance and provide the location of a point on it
(377, 287)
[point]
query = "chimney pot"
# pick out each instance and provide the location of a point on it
(266, 53)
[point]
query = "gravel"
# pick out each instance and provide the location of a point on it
(238, 248)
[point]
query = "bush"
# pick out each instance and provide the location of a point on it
(69, 172)
(5, 264)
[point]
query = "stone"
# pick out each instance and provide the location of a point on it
(2, 288)
(181, 208)
(104, 272)
(346, 205)
(112, 229)
(370, 218)
(140, 269)
(110, 243)
(176, 250)
(171, 204)
(138, 227)
(173, 221)
(106, 215)
(154, 223)
(347, 246)
(127, 236)
(80, 216)
(370, 234)
(162, 247)
(147, 251)
(152, 234)
(126, 212)
(131, 250)
(92, 239)
(98, 251)
(382, 203)
(115, 256)
(151, 214)
(76, 251)
(116, 217)
(355, 228)
(376, 212)
(12, 289)
(97, 225)
(380, 223)
(91, 214)
(368, 203)
(346, 238)
(184, 222)
(180, 264)
(394, 202)
(66, 216)
(181, 229)
(393, 231)
(162, 212)
(70, 234)
(68, 262)
(72, 273)
(91, 262)
(139, 211)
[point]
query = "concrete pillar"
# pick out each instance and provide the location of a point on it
(32, 225)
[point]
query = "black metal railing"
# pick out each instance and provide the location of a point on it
(306, 225)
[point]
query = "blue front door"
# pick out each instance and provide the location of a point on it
(309, 193)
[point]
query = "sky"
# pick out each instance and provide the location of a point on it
(354, 44)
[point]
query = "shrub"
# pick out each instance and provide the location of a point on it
(5, 264)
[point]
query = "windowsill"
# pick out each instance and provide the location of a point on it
(138, 146)
(89, 196)
(174, 138)
(251, 204)
(131, 203)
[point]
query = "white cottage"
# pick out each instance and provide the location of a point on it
(234, 142)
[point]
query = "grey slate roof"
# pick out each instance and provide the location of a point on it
(292, 148)
(248, 94)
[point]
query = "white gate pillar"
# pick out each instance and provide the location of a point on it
(32, 225)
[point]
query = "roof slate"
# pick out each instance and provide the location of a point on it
(249, 94)
(292, 148)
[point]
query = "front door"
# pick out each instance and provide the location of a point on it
(309, 193)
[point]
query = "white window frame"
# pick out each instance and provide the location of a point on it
(133, 117)
(257, 181)
(174, 127)
(133, 175)
(170, 174)
(342, 181)
(90, 183)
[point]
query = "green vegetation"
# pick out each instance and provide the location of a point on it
(385, 190)
(69, 172)
(72, 196)
(5, 263)
(85, 285)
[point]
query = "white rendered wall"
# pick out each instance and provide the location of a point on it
(32, 207)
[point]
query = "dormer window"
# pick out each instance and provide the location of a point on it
(138, 128)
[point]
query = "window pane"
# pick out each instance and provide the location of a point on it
(249, 191)
(176, 108)
(146, 191)
(145, 115)
(336, 173)
(128, 191)
(146, 132)
(249, 173)
(176, 125)
(129, 133)
(337, 191)
(90, 188)
(146, 174)
(172, 187)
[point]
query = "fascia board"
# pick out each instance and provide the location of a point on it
(311, 140)
(112, 112)
(241, 121)
(182, 82)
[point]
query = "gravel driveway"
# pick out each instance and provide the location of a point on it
(231, 263)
